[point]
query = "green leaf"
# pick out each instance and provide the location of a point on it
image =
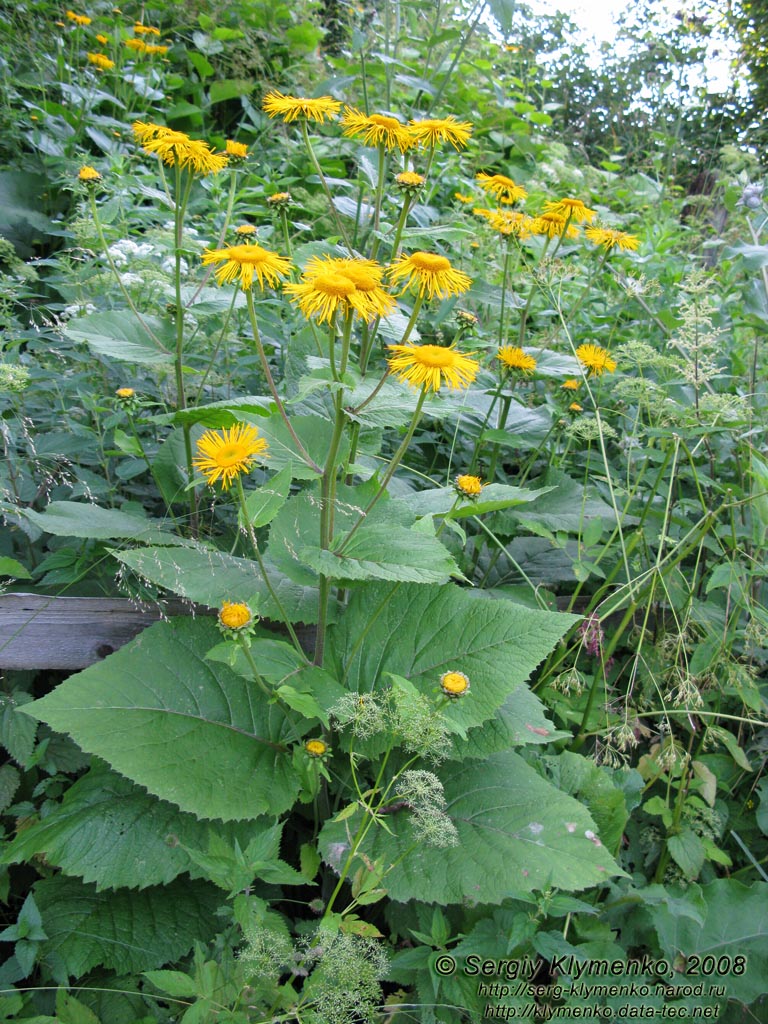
(123, 931)
(174, 983)
(111, 832)
(81, 519)
(440, 500)
(209, 577)
(10, 781)
(515, 831)
(687, 851)
(227, 412)
(182, 726)
(70, 1011)
(229, 89)
(736, 924)
(423, 631)
(202, 66)
(384, 552)
(263, 504)
(121, 336)
(562, 504)
(315, 434)
(10, 567)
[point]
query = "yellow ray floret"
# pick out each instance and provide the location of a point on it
(225, 454)
(291, 108)
(244, 262)
(429, 366)
(430, 273)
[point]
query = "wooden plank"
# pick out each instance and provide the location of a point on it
(39, 632)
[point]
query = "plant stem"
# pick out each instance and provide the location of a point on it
(324, 183)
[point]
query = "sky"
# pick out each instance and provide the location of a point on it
(596, 17)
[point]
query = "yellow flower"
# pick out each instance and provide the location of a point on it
(575, 408)
(177, 148)
(446, 129)
(87, 173)
(571, 384)
(316, 748)
(291, 108)
(102, 39)
(145, 30)
(502, 187)
(462, 198)
(245, 229)
(101, 61)
(136, 44)
(236, 150)
(225, 455)
(552, 224)
(468, 486)
(235, 615)
(425, 366)
(454, 684)
(515, 358)
(609, 239)
(279, 200)
(431, 273)
(409, 181)
(511, 222)
(125, 392)
(244, 261)
(571, 209)
(151, 48)
(377, 129)
(595, 359)
(329, 284)
(78, 19)
(481, 211)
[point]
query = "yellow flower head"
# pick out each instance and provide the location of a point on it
(235, 615)
(236, 150)
(101, 61)
(291, 108)
(571, 209)
(316, 748)
(462, 198)
(348, 285)
(78, 19)
(595, 359)
(575, 408)
(145, 30)
(280, 200)
(515, 358)
(430, 273)
(502, 187)
(429, 366)
(243, 262)
(226, 454)
(552, 224)
(136, 44)
(446, 129)
(245, 229)
(511, 222)
(484, 213)
(468, 486)
(87, 174)
(102, 39)
(377, 129)
(609, 239)
(159, 50)
(409, 182)
(571, 384)
(454, 684)
(177, 148)
(465, 319)
(125, 393)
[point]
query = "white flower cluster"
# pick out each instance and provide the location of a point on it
(126, 249)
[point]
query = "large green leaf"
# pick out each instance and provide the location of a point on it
(736, 924)
(516, 832)
(190, 730)
(440, 500)
(121, 336)
(564, 504)
(315, 434)
(124, 931)
(420, 632)
(209, 577)
(113, 833)
(82, 519)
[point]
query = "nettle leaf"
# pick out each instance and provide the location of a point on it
(121, 336)
(736, 924)
(516, 832)
(123, 931)
(111, 832)
(207, 576)
(424, 631)
(190, 730)
(82, 519)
